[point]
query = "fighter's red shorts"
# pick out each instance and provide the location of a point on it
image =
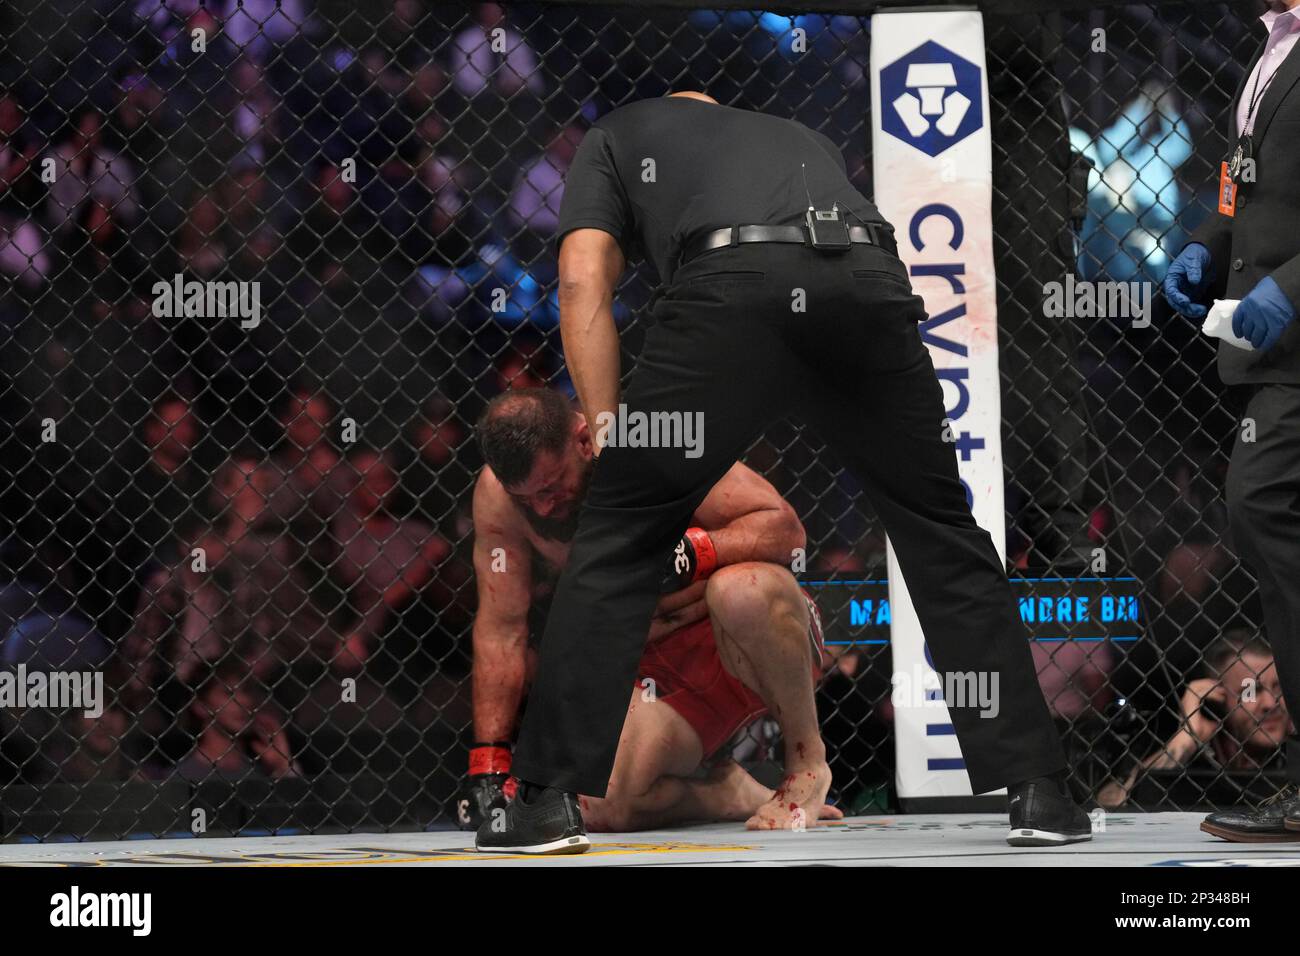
(689, 676)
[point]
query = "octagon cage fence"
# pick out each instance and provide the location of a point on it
(253, 533)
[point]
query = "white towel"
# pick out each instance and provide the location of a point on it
(1218, 324)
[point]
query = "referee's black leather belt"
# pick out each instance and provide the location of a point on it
(871, 234)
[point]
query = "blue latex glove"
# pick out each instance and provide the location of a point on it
(1263, 315)
(1187, 279)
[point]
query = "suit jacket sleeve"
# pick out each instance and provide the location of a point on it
(1287, 277)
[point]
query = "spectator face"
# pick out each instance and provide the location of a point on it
(246, 507)
(336, 194)
(205, 220)
(236, 473)
(262, 245)
(101, 736)
(513, 372)
(840, 561)
(171, 433)
(1263, 723)
(245, 192)
(489, 15)
(407, 13)
(1189, 572)
(88, 131)
(438, 173)
(564, 146)
(245, 77)
(438, 435)
(425, 84)
(241, 492)
(10, 116)
(552, 495)
(305, 420)
(205, 21)
(376, 483)
(228, 709)
(140, 103)
(375, 63)
(99, 223)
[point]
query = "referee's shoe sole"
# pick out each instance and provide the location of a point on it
(538, 822)
(1029, 837)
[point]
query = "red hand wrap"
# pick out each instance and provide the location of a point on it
(489, 759)
(706, 556)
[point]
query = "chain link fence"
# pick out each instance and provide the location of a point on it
(263, 262)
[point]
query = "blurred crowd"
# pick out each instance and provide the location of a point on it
(221, 516)
(261, 535)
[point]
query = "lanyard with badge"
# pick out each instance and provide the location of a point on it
(1230, 170)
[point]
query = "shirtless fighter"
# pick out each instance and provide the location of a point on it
(733, 637)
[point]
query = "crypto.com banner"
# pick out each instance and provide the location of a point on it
(933, 181)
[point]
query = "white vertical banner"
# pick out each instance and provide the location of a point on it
(932, 161)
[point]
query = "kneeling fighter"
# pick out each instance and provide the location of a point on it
(733, 637)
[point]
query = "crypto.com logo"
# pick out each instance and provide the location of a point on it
(931, 98)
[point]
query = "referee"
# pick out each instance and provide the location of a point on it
(783, 294)
(1248, 249)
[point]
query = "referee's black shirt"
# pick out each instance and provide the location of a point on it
(658, 172)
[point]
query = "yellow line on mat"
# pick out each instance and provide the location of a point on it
(599, 849)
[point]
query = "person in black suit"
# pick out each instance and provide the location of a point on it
(1249, 249)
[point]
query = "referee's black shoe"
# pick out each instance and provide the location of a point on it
(1044, 814)
(1270, 822)
(539, 820)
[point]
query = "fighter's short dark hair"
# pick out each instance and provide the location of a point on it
(518, 424)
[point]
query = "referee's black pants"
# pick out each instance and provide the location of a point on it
(1264, 513)
(728, 342)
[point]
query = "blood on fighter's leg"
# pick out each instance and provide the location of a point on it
(761, 623)
(657, 748)
(655, 784)
(698, 700)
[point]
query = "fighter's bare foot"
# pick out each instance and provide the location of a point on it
(798, 804)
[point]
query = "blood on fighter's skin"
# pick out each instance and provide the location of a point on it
(532, 519)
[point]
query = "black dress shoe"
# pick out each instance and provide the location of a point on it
(539, 820)
(1043, 814)
(1268, 823)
